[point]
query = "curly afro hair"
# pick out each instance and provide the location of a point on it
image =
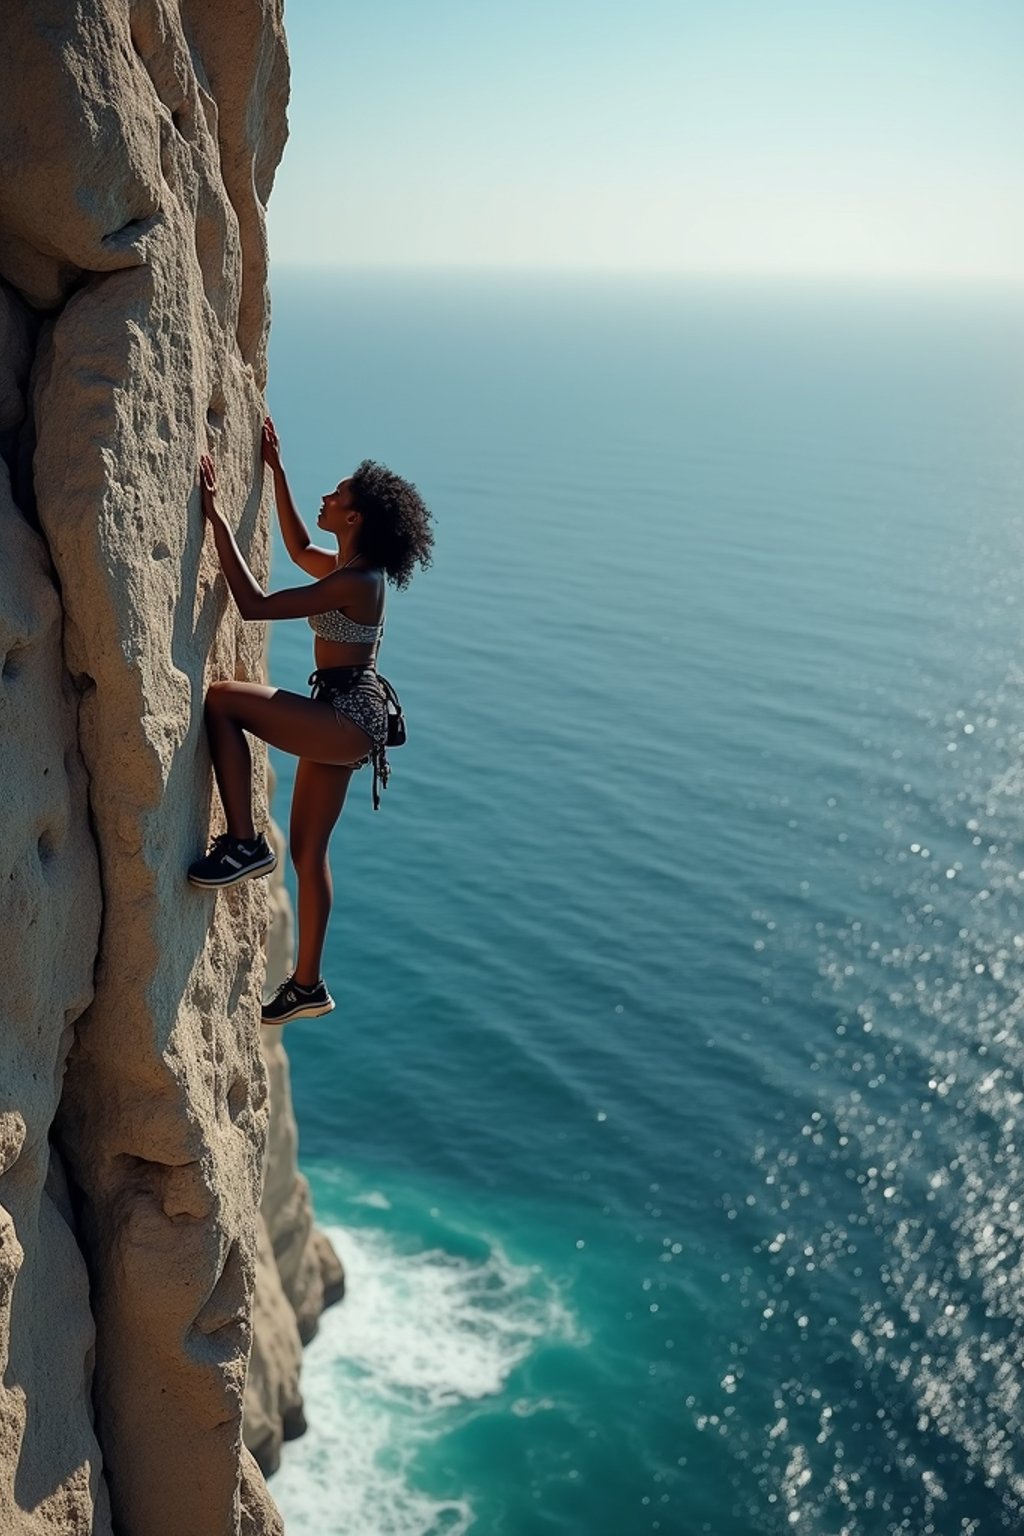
(396, 533)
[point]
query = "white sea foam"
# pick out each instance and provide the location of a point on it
(417, 1335)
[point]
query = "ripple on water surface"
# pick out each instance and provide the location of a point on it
(888, 1292)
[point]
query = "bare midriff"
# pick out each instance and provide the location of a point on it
(328, 653)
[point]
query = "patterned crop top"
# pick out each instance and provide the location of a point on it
(337, 626)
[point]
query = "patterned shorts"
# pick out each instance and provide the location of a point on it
(357, 694)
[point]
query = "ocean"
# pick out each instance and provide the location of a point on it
(668, 1124)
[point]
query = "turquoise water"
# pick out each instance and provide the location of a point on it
(668, 1121)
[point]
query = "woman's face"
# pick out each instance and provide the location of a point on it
(337, 508)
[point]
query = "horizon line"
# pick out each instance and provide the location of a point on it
(716, 274)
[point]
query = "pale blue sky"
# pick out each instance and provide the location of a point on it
(833, 137)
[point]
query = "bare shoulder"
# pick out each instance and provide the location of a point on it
(350, 586)
(357, 592)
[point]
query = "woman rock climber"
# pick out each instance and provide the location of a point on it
(383, 531)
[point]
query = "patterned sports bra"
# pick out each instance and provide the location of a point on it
(337, 626)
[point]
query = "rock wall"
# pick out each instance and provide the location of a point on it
(298, 1272)
(139, 140)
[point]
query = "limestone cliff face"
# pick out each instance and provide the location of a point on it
(138, 140)
(298, 1272)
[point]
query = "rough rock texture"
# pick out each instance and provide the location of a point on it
(310, 1274)
(139, 140)
(297, 1270)
(50, 907)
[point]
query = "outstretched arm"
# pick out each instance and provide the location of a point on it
(245, 589)
(318, 562)
(252, 602)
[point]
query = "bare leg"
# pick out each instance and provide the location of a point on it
(316, 895)
(232, 767)
(318, 797)
(307, 728)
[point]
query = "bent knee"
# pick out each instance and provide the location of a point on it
(218, 695)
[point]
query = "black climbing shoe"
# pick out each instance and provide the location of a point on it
(230, 860)
(291, 1001)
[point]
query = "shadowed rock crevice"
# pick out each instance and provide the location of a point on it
(228, 1304)
(239, 76)
(19, 334)
(50, 910)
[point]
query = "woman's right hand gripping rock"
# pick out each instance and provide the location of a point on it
(270, 445)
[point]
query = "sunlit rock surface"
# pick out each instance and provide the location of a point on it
(139, 142)
(298, 1272)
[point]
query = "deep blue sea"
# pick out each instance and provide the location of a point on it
(669, 1124)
